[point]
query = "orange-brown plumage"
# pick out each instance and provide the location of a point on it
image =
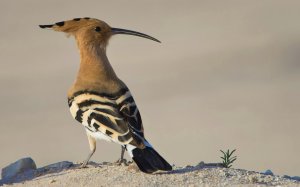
(95, 71)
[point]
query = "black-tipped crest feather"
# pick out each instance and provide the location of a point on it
(45, 26)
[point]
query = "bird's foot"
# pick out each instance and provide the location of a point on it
(121, 162)
(83, 165)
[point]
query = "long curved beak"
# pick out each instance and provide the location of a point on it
(134, 33)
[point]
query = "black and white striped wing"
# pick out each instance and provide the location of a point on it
(114, 116)
(131, 115)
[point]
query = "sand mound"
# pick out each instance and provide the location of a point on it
(109, 174)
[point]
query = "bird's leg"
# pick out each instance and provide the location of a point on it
(122, 160)
(92, 142)
(122, 153)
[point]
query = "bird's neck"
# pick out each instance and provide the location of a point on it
(94, 65)
(95, 72)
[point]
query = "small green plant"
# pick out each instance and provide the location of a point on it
(228, 158)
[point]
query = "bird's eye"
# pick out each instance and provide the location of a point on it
(97, 29)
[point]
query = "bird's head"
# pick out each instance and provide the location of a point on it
(89, 31)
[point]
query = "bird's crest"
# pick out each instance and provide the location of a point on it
(91, 30)
(71, 26)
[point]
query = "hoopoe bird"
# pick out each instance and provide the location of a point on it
(102, 102)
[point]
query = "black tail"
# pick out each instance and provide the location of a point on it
(149, 161)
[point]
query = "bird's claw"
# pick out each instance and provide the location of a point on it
(121, 162)
(83, 165)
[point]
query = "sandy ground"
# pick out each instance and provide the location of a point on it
(108, 174)
(226, 76)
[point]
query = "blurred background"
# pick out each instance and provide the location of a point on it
(226, 76)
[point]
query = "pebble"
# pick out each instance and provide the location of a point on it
(201, 164)
(268, 172)
(20, 166)
(297, 178)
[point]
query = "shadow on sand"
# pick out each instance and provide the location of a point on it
(189, 169)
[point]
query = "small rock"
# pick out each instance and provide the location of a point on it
(20, 166)
(52, 181)
(268, 172)
(297, 178)
(201, 164)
